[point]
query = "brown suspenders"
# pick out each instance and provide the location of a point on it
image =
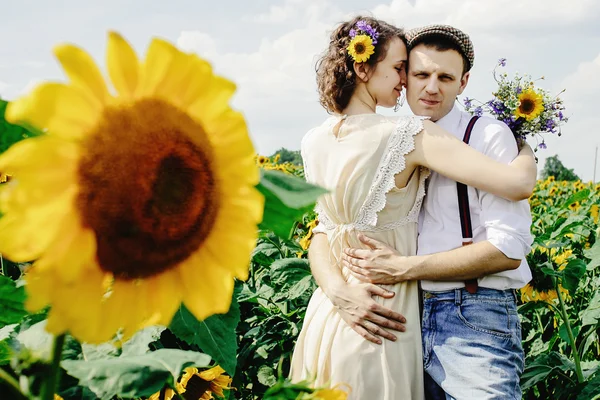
(463, 208)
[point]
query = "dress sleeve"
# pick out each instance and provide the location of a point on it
(393, 161)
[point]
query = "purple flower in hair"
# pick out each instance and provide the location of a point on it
(362, 25)
(352, 32)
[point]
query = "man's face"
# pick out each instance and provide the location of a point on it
(434, 80)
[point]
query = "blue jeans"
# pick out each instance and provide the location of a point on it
(472, 345)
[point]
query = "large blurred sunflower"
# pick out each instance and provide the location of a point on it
(132, 202)
(531, 105)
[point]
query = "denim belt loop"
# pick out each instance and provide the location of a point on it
(458, 296)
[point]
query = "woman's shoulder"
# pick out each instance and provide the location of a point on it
(407, 124)
(319, 131)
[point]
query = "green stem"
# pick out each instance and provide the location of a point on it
(539, 319)
(12, 384)
(49, 385)
(293, 230)
(565, 318)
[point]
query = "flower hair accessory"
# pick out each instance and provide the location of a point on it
(364, 38)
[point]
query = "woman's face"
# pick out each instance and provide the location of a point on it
(388, 77)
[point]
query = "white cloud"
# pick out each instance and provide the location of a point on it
(3, 88)
(499, 16)
(584, 85)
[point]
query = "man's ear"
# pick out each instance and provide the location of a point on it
(463, 82)
(362, 71)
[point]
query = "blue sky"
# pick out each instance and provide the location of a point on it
(269, 49)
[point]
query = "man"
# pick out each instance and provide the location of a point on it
(470, 326)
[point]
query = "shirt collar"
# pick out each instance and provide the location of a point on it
(451, 121)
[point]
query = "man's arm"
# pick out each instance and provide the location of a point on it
(507, 227)
(384, 265)
(354, 301)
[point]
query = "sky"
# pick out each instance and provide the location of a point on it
(269, 49)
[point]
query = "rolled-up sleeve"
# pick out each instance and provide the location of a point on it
(507, 223)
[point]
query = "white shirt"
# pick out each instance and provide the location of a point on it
(504, 223)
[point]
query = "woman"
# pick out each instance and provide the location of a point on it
(372, 165)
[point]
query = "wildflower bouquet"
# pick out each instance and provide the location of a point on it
(526, 109)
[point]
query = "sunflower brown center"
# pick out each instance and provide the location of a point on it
(195, 388)
(147, 188)
(527, 106)
(359, 48)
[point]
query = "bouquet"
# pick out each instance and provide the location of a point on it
(526, 109)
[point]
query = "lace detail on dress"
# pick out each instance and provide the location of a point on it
(401, 142)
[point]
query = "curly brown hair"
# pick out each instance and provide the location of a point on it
(336, 79)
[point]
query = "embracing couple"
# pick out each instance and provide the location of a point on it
(405, 310)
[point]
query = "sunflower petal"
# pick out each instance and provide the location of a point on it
(83, 72)
(164, 296)
(207, 285)
(213, 101)
(159, 57)
(40, 287)
(73, 250)
(62, 110)
(84, 317)
(123, 65)
(26, 235)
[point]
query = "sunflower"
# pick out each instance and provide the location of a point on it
(132, 202)
(361, 48)
(202, 385)
(531, 105)
(261, 160)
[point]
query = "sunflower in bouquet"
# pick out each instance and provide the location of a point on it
(528, 110)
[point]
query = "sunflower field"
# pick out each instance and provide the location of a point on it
(147, 252)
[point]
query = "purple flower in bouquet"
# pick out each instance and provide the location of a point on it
(502, 62)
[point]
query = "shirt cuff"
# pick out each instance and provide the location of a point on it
(509, 245)
(320, 228)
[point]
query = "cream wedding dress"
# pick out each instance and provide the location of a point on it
(358, 165)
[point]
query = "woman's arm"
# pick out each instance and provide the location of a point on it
(440, 151)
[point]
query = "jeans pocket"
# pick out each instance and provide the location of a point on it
(484, 316)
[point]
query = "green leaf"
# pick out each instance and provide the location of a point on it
(12, 302)
(578, 196)
(37, 340)
(591, 390)
(139, 343)
(567, 226)
(11, 134)
(5, 347)
(591, 315)
(289, 270)
(287, 198)
(572, 274)
(594, 255)
(564, 335)
(215, 335)
(134, 376)
(266, 376)
(543, 367)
